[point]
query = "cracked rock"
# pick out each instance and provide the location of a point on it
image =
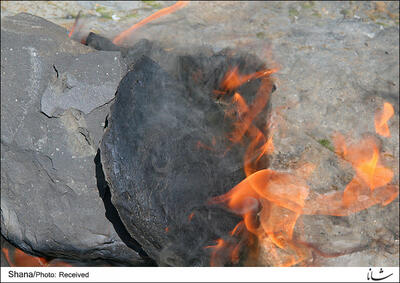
(51, 201)
(83, 82)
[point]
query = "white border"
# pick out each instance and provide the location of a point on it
(206, 274)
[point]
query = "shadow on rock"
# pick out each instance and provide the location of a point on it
(112, 213)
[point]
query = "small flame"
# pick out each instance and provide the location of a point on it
(220, 245)
(247, 114)
(190, 217)
(267, 148)
(75, 26)
(7, 257)
(381, 119)
(365, 158)
(168, 10)
(21, 259)
(202, 145)
(369, 186)
(233, 79)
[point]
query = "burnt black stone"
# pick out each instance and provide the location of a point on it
(157, 174)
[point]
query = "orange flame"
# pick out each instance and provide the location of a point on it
(21, 259)
(233, 79)
(364, 156)
(271, 202)
(168, 10)
(220, 245)
(381, 119)
(247, 114)
(279, 198)
(75, 26)
(190, 217)
(369, 186)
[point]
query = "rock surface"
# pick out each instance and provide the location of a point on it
(50, 200)
(158, 174)
(335, 75)
(82, 82)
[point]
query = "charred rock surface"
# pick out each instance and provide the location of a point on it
(160, 178)
(50, 203)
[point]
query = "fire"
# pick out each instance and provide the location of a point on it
(381, 119)
(190, 217)
(168, 10)
(220, 245)
(71, 32)
(21, 259)
(365, 158)
(233, 79)
(271, 202)
(77, 27)
(369, 186)
(246, 114)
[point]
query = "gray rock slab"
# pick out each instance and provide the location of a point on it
(50, 200)
(82, 82)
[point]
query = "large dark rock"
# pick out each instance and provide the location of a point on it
(157, 173)
(50, 199)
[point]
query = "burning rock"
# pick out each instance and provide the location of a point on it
(165, 152)
(266, 195)
(294, 166)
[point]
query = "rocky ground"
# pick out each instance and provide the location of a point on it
(338, 63)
